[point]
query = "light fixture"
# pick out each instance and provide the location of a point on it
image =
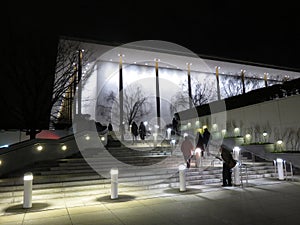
(39, 148)
(64, 147)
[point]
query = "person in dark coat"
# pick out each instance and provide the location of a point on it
(134, 131)
(200, 143)
(142, 131)
(227, 159)
(206, 137)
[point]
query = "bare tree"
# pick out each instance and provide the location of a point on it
(135, 105)
(201, 94)
(66, 79)
(232, 85)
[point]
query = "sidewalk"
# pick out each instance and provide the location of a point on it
(267, 201)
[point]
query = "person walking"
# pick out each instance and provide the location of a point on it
(187, 148)
(206, 137)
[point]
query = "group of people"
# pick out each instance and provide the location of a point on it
(138, 131)
(187, 148)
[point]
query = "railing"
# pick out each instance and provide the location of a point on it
(244, 173)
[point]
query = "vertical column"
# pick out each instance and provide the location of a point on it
(121, 125)
(79, 80)
(243, 80)
(189, 84)
(157, 93)
(218, 82)
(266, 79)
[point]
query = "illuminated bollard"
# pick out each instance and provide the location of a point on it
(155, 139)
(198, 157)
(182, 185)
(114, 183)
(280, 168)
(169, 133)
(236, 169)
(27, 196)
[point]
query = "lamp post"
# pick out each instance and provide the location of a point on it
(79, 79)
(266, 79)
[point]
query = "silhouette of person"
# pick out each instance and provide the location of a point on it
(187, 148)
(227, 159)
(206, 137)
(200, 143)
(134, 131)
(142, 131)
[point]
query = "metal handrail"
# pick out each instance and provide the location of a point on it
(241, 173)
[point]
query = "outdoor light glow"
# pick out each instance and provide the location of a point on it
(156, 126)
(114, 171)
(236, 148)
(223, 131)
(181, 167)
(279, 160)
(197, 150)
(146, 123)
(28, 176)
(265, 134)
(173, 141)
(102, 138)
(0, 162)
(64, 147)
(248, 136)
(87, 137)
(185, 135)
(215, 126)
(279, 142)
(39, 148)
(4, 146)
(204, 126)
(169, 129)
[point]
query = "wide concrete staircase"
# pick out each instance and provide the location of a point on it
(140, 168)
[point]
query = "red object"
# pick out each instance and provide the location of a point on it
(47, 134)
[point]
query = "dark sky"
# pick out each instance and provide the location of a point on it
(260, 32)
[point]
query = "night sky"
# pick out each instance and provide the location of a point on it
(267, 34)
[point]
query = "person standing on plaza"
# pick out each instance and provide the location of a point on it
(134, 132)
(142, 131)
(228, 163)
(187, 148)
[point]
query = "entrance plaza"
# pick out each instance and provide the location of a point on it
(267, 201)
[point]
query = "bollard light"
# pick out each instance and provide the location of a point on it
(169, 133)
(198, 157)
(280, 168)
(27, 196)
(182, 184)
(236, 169)
(114, 183)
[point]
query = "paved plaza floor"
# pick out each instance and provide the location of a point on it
(263, 201)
